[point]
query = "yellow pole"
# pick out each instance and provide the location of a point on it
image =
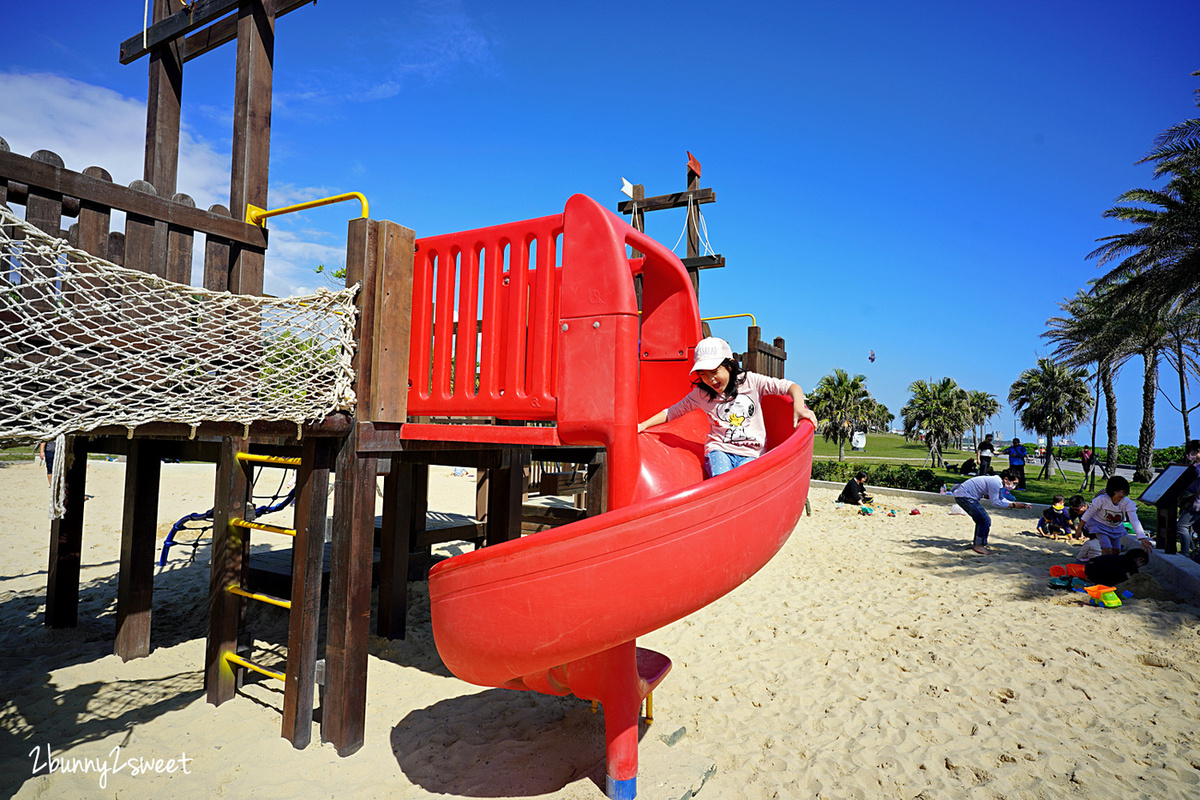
(282, 461)
(259, 526)
(241, 662)
(263, 598)
(753, 321)
(256, 215)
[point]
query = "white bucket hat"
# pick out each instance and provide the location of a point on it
(710, 353)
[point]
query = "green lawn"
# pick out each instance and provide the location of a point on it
(885, 448)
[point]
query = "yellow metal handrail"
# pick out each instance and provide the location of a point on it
(234, 658)
(256, 215)
(753, 321)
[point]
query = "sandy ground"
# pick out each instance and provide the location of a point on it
(874, 657)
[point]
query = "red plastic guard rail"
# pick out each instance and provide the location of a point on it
(485, 308)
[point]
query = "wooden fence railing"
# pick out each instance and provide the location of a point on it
(159, 234)
(763, 358)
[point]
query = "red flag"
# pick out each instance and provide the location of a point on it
(693, 164)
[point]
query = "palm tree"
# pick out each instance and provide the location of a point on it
(842, 405)
(1182, 347)
(1156, 264)
(1178, 147)
(940, 409)
(1091, 334)
(1051, 399)
(984, 406)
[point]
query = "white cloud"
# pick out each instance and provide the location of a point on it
(88, 125)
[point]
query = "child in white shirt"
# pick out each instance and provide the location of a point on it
(1108, 514)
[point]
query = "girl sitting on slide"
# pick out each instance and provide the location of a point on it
(732, 400)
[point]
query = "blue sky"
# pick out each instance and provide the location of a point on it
(922, 179)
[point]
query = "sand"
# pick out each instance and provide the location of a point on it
(874, 657)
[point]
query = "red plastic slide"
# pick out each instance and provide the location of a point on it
(558, 611)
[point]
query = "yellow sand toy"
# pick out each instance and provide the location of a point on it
(1103, 596)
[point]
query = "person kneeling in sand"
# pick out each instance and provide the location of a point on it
(855, 493)
(968, 494)
(1055, 520)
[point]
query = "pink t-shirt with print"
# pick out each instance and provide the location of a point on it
(734, 426)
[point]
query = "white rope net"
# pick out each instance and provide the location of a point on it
(85, 343)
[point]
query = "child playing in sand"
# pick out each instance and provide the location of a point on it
(1090, 549)
(968, 494)
(1055, 520)
(1077, 507)
(731, 398)
(1106, 570)
(855, 492)
(1108, 514)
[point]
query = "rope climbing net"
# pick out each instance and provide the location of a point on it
(85, 343)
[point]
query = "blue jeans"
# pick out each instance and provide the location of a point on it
(1183, 531)
(983, 523)
(720, 462)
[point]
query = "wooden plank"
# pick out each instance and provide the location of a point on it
(217, 257)
(703, 262)
(550, 515)
(201, 12)
(561, 483)
(140, 247)
(337, 424)
(43, 210)
(251, 133)
(179, 248)
(84, 187)
(312, 491)
(225, 30)
(362, 249)
(135, 581)
(665, 201)
(66, 541)
(470, 532)
(399, 489)
(95, 220)
(392, 327)
(343, 716)
(229, 565)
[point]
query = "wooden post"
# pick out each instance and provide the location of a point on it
(505, 487)
(405, 494)
(343, 718)
(66, 540)
(135, 583)
(596, 495)
(163, 99)
(752, 358)
(637, 220)
(308, 555)
(693, 221)
(251, 132)
(229, 565)
(94, 220)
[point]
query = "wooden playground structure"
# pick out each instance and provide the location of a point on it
(411, 367)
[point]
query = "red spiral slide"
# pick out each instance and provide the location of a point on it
(558, 611)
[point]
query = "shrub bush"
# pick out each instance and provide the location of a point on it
(894, 476)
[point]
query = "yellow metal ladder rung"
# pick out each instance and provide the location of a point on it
(259, 526)
(263, 598)
(269, 461)
(234, 658)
